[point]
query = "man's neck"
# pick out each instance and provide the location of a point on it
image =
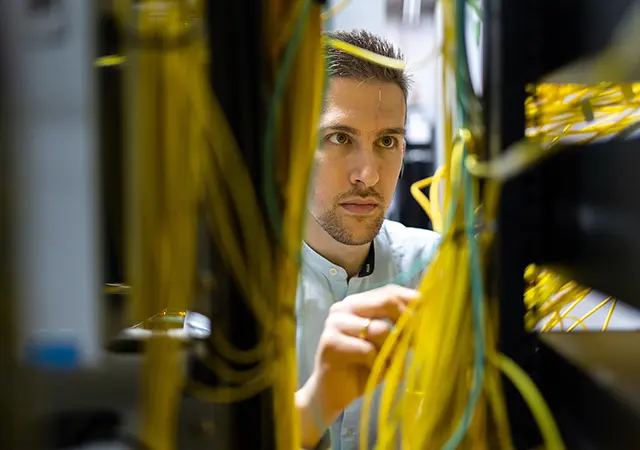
(349, 257)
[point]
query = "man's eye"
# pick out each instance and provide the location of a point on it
(338, 139)
(387, 142)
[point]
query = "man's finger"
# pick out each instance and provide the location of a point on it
(388, 302)
(351, 350)
(372, 330)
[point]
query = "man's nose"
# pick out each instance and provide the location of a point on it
(365, 168)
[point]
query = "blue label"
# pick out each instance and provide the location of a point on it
(53, 355)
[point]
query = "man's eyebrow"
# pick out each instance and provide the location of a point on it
(341, 128)
(400, 130)
(355, 132)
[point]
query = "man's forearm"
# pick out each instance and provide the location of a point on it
(315, 412)
(310, 429)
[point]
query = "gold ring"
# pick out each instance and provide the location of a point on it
(364, 333)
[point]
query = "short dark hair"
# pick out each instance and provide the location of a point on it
(345, 65)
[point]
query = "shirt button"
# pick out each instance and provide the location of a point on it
(333, 271)
(349, 432)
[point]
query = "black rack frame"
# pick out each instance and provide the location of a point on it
(555, 215)
(238, 61)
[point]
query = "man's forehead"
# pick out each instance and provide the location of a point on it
(351, 102)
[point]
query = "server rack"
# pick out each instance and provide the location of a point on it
(575, 213)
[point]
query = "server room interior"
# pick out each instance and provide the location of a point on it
(404, 208)
(111, 135)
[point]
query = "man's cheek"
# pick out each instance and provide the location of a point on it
(315, 200)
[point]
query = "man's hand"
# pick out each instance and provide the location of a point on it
(353, 334)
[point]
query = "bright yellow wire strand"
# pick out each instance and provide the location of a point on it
(366, 55)
(607, 321)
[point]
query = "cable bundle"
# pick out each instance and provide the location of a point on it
(441, 367)
(447, 338)
(184, 161)
(581, 114)
(163, 196)
(548, 296)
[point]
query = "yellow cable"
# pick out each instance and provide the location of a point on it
(110, 61)
(609, 315)
(589, 314)
(284, 31)
(306, 78)
(335, 9)
(436, 335)
(550, 297)
(163, 226)
(302, 105)
(433, 343)
(434, 195)
(436, 330)
(593, 114)
(577, 321)
(367, 55)
(430, 204)
(423, 200)
(163, 233)
(534, 400)
(557, 317)
(555, 113)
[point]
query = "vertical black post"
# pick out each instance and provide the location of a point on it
(14, 391)
(507, 25)
(7, 342)
(111, 151)
(237, 56)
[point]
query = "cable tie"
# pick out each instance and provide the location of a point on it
(627, 92)
(587, 110)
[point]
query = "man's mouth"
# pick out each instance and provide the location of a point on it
(360, 207)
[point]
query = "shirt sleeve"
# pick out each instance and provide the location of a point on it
(325, 442)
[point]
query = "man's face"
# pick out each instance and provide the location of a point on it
(359, 160)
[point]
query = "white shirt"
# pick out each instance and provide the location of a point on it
(398, 255)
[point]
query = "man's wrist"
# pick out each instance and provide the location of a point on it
(311, 425)
(314, 420)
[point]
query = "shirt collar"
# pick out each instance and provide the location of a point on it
(318, 261)
(369, 263)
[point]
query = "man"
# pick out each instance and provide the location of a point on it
(359, 270)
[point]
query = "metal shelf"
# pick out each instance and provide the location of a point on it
(593, 214)
(592, 383)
